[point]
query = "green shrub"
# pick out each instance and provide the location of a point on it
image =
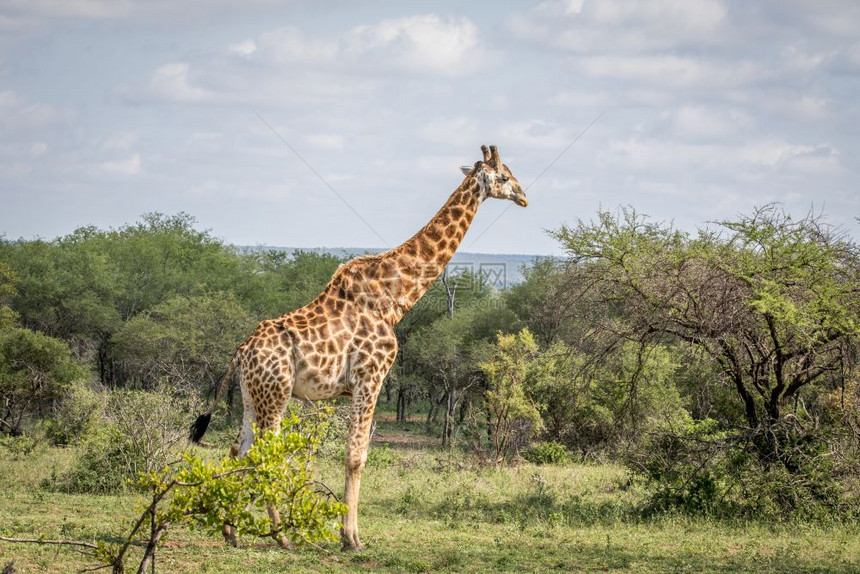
(381, 456)
(513, 417)
(784, 472)
(101, 467)
(20, 447)
(143, 431)
(547, 452)
(77, 415)
(278, 471)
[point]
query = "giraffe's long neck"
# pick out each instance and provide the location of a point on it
(422, 258)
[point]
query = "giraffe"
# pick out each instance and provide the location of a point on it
(343, 342)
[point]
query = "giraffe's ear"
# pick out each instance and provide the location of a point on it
(466, 169)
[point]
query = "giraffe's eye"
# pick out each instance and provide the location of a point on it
(504, 179)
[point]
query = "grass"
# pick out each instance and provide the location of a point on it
(425, 510)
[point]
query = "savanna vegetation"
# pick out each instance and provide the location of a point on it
(654, 401)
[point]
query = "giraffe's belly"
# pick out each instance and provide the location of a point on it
(314, 385)
(317, 392)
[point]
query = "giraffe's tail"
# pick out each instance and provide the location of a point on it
(198, 429)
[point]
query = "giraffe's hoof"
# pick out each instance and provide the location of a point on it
(229, 534)
(350, 548)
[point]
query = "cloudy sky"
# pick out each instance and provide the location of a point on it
(113, 108)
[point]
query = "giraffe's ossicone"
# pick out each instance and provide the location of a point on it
(343, 342)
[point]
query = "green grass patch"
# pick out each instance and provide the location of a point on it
(427, 510)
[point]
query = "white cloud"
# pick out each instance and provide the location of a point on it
(723, 160)
(10, 24)
(328, 142)
(424, 43)
(710, 106)
(434, 165)
(245, 48)
(696, 122)
(18, 114)
(573, 6)
(94, 9)
(8, 100)
(807, 108)
(802, 157)
(292, 46)
(130, 166)
(840, 18)
(845, 60)
(292, 66)
(802, 59)
(620, 25)
(171, 82)
(689, 16)
(207, 143)
(155, 10)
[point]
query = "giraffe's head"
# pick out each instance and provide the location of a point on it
(494, 178)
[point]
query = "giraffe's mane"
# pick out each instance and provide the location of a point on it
(337, 277)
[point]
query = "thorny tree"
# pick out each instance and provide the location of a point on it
(773, 301)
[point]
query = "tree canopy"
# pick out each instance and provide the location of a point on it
(771, 300)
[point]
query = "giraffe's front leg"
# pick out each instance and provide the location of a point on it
(361, 417)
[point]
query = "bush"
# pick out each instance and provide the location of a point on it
(277, 474)
(278, 471)
(155, 424)
(20, 447)
(102, 465)
(548, 452)
(601, 407)
(683, 464)
(76, 416)
(142, 431)
(511, 415)
(381, 456)
(783, 472)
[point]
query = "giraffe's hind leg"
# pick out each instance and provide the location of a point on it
(269, 417)
(241, 446)
(264, 397)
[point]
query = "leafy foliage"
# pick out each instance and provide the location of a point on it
(772, 300)
(604, 405)
(513, 417)
(535, 300)
(699, 468)
(79, 413)
(7, 289)
(282, 281)
(151, 299)
(278, 471)
(141, 431)
(547, 452)
(445, 355)
(35, 370)
(183, 339)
